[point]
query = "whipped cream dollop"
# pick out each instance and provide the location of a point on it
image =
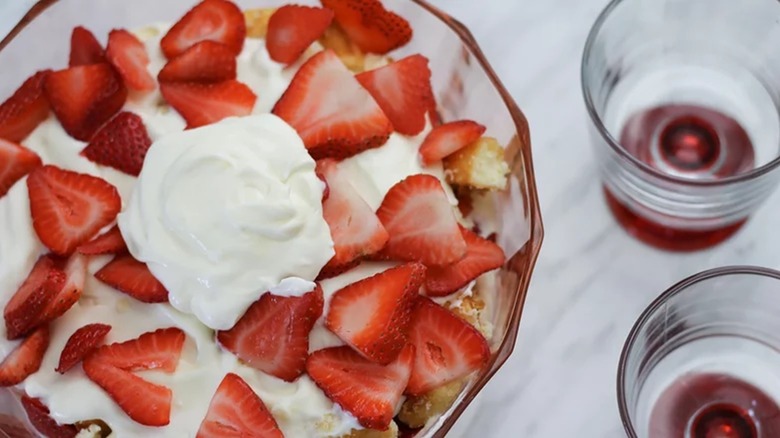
(224, 213)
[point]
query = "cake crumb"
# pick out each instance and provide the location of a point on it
(417, 411)
(257, 21)
(391, 432)
(480, 165)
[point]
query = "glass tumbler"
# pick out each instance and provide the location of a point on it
(703, 360)
(683, 96)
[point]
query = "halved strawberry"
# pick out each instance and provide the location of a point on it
(273, 334)
(145, 402)
(84, 48)
(75, 269)
(330, 271)
(292, 29)
(448, 139)
(25, 359)
(206, 61)
(482, 256)
(16, 161)
(128, 55)
(68, 208)
(128, 275)
(334, 115)
(367, 390)
(373, 314)
(39, 417)
(236, 411)
(421, 223)
(369, 25)
(110, 242)
(121, 143)
(85, 97)
(157, 350)
(403, 91)
(80, 344)
(203, 104)
(214, 20)
(21, 113)
(354, 227)
(23, 311)
(448, 347)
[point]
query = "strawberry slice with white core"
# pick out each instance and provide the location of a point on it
(75, 269)
(292, 29)
(84, 48)
(449, 138)
(21, 113)
(39, 417)
(421, 223)
(373, 314)
(273, 334)
(354, 227)
(158, 350)
(128, 55)
(369, 25)
(403, 91)
(213, 20)
(206, 61)
(23, 311)
(334, 115)
(121, 143)
(85, 97)
(369, 391)
(447, 347)
(80, 344)
(25, 359)
(128, 275)
(69, 208)
(482, 256)
(16, 161)
(110, 242)
(206, 103)
(236, 411)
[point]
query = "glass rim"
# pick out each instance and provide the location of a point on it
(659, 301)
(618, 149)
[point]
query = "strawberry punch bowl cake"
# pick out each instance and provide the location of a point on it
(249, 222)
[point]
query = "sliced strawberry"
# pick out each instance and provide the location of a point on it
(158, 350)
(236, 411)
(84, 48)
(448, 347)
(23, 311)
(273, 334)
(354, 227)
(421, 223)
(21, 113)
(367, 390)
(128, 275)
(448, 139)
(16, 161)
(85, 97)
(373, 314)
(80, 344)
(329, 271)
(145, 402)
(75, 269)
(39, 417)
(403, 91)
(128, 55)
(25, 359)
(369, 25)
(206, 61)
(334, 115)
(110, 242)
(203, 104)
(214, 20)
(292, 29)
(482, 256)
(68, 208)
(121, 143)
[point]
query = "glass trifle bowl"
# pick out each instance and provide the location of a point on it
(464, 85)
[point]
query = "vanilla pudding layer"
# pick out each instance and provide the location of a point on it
(300, 407)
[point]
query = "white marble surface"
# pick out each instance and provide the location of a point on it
(592, 280)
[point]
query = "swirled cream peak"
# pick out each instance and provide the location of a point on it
(223, 213)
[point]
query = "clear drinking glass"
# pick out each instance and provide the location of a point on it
(703, 360)
(684, 97)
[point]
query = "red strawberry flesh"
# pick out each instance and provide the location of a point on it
(84, 48)
(213, 20)
(25, 359)
(110, 242)
(369, 25)
(449, 138)
(159, 349)
(121, 143)
(128, 275)
(206, 103)
(206, 62)
(39, 417)
(80, 344)
(23, 311)
(16, 161)
(128, 55)
(21, 113)
(292, 29)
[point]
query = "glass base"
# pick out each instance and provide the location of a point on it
(663, 237)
